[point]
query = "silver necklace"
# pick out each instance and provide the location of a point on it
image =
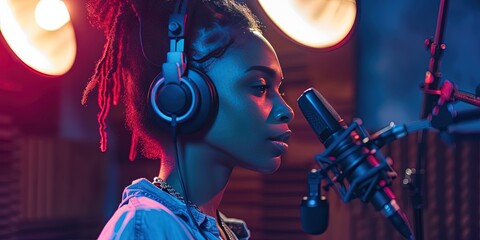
(170, 190)
(227, 230)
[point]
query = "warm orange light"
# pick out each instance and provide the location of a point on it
(314, 23)
(51, 15)
(50, 52)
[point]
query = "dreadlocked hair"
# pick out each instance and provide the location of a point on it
(124, 62)
(111, 17)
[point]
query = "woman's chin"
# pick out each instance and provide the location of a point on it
(271, 166)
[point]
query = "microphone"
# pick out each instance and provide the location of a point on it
(349, 156)
(314, 209)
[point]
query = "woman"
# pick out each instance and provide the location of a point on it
(246, 126)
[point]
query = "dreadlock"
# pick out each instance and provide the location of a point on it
(123, 65)
(107, 75)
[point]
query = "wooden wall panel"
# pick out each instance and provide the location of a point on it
(60, 189)
(9, 177)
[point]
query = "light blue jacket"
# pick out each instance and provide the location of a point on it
(147, 212)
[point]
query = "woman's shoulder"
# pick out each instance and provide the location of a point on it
(148, 212)
(142, 217)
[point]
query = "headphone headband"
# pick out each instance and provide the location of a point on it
(174, 68)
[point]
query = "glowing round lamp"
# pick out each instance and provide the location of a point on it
(40, 33)
(313, 23)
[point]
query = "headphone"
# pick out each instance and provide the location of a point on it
(184, 98)
(182, 94)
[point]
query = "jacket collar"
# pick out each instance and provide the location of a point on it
(143, 187)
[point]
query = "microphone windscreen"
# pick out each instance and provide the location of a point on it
(314, 215)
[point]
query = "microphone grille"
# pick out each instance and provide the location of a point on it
(321, 116)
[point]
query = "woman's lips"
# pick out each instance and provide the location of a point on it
(283, 137)
(279, 147)
(280, 142)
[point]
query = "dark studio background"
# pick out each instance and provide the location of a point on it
(56, 184)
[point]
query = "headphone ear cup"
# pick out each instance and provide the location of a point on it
(207, 99)
(193, 101)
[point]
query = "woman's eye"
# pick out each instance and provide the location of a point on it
(261, 89)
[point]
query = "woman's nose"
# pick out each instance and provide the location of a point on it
(284, 113)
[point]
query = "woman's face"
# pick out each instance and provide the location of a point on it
(251, 128)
